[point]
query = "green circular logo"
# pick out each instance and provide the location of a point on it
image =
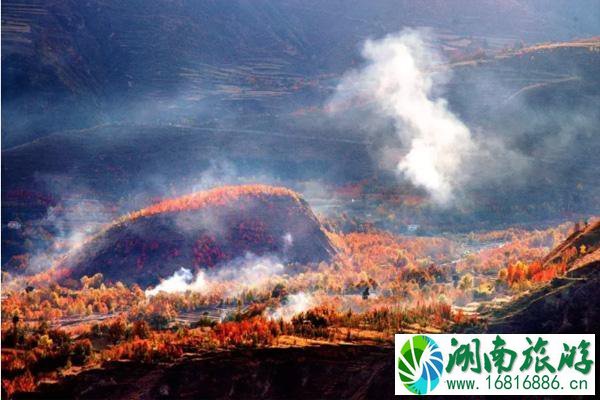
(420, 364)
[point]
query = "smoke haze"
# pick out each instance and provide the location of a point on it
(399, 82)
(246, 272)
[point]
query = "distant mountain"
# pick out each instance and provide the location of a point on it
(538, 100)
(73, 64)
(568, 303)
(202, 231)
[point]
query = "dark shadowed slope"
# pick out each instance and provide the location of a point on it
(315, 372)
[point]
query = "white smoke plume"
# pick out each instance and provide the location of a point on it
(181, 281)
(400, 82)
(295, 304)
(246, 272)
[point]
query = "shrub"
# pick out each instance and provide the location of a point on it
(23, 383)
(82, 350)
(59, 337)
(117, 330)
(319, 317)
(141, 329)
(253, 332)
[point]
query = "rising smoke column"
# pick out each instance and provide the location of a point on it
(399, 81)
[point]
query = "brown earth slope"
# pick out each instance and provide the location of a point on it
(327, 371)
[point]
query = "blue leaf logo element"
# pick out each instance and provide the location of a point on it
(420, 364)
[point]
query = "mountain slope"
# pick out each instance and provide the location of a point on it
(568, 304)
(71, 64)
(203, 230)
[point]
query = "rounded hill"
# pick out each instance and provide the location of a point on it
(203, 230)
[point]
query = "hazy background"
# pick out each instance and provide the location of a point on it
(368, 108)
